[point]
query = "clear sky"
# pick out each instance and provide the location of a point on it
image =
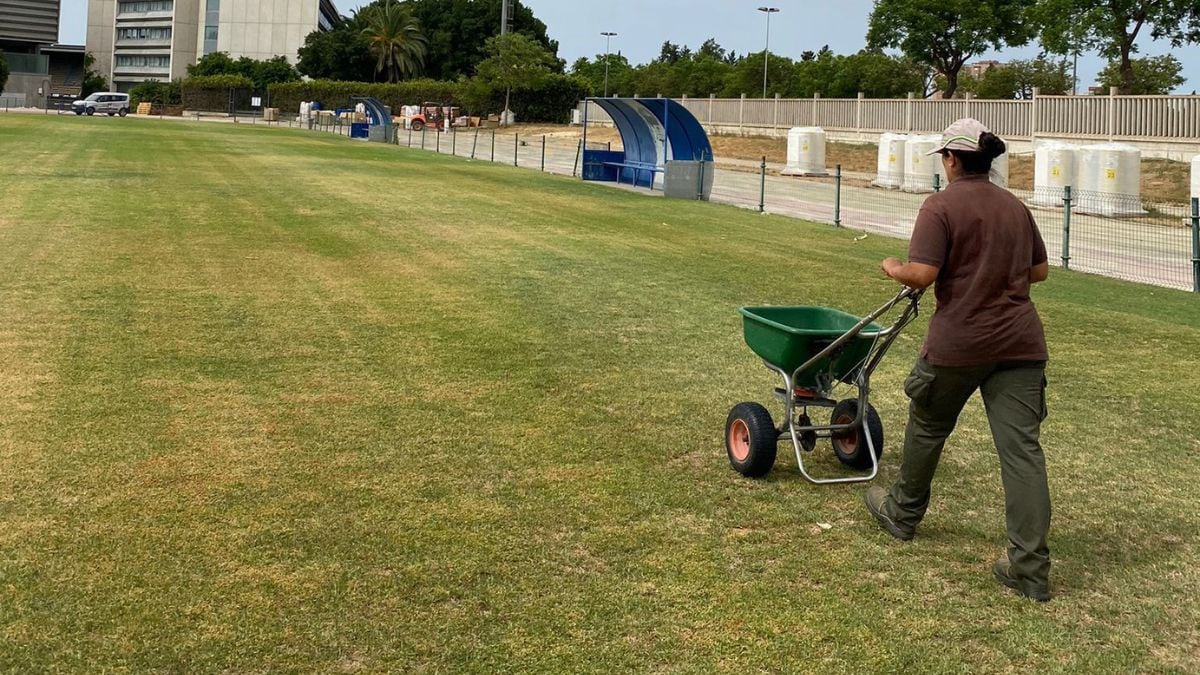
(643, 25)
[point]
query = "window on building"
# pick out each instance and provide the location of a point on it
(212, 20)
(161, 33)
(144, 6)
(142, 61)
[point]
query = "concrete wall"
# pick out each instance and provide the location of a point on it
(186, 29)
(28, 84)
(261, 29)
(29, 20)
(101, 33)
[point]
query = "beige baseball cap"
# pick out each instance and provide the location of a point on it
(962, 135)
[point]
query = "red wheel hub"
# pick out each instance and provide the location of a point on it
(739, 440)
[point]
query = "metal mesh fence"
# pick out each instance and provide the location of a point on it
(1110, 234)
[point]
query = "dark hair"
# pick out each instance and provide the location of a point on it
(980, 161)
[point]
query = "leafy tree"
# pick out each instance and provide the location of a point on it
(747, 76)
(1017, 79)
(396, 41)
(341, 53)
(1151, 75)
(92, 81)
(458, 31)
(877, 75)
(3, 72)
(1113, 26)
(591, 72)
(515, 61)
(945, 34)
(712, 49)
(216, 63)
(275, 70)
(261, 74)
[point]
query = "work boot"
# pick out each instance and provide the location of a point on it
(1026, 587)
(876, 499)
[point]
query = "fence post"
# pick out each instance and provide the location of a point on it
(712, 99)
(1196, 244)
(575, 166)
(858, 111)
(454, 144)
(908, 113)
(837, 195)
(967, 104)
(742, 113)
(1033, 112)
(437, 139)
(1066, 244)
(937, 182)
(410, 135)
(816, 100)
(422, 138)
(493, 146)
(762, 185)
(1112, 113)
(776, 122)
(543, 153)
(475, 143)
(516, 147)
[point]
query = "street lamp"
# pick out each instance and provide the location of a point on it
(607, 37)
(767, 50)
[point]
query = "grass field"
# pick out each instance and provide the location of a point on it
(278, 401)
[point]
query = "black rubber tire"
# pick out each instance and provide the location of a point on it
(417, 125)
(851, 446)
(757, 439)
(123, 112)
(78, 113)
(111, 114)
(91, 111)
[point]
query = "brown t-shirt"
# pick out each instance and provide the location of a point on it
(983, 241)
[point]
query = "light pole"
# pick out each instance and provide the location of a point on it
(607, 37)
(767, 50)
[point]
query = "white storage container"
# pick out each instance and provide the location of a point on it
(1110, 179)
(890, 173)
(806, 152)
(919, 166)
(999, 173)
(1053, 170)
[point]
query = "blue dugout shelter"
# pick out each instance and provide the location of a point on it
(653, 132)
(379, 116)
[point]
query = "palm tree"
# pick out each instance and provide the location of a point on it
(396, 40)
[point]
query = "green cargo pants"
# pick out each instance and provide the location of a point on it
(1014, 395)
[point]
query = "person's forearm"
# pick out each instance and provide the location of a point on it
(911, 276)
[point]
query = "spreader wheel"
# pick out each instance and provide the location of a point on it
(750, 440)
(851, 446)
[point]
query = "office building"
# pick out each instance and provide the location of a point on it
(137, 40)
(40, 69)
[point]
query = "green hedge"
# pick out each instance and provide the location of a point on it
(552, 102)
(158, 93)
(212, 93)
(334, 94)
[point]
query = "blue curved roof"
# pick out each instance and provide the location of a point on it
(685, 137)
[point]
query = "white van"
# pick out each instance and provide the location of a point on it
(107, 102)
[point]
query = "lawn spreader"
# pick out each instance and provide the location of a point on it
(816, 350)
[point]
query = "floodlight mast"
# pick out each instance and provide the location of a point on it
(767, 49)
(607, 37)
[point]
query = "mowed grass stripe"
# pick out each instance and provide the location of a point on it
(309, 404)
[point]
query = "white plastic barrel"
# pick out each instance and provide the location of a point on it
(1053, 170)
(1110, 178)
(919, 166)
(890, 173)
(806, 152)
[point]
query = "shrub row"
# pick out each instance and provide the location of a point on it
(550, 102)
(212, 93)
